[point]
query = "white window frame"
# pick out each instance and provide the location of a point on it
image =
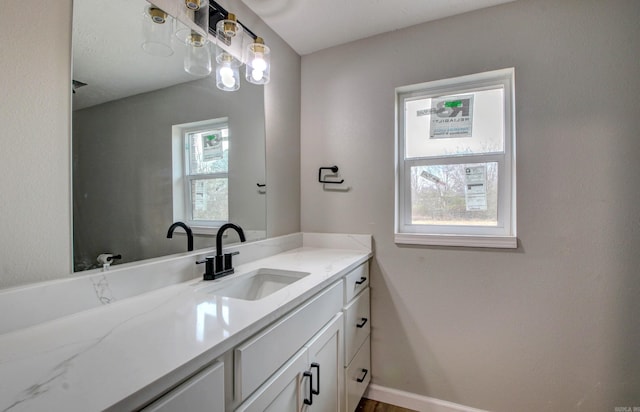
(504, 234)
(182, 179)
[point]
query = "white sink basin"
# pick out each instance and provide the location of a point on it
(255, 285)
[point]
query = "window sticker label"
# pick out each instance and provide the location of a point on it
(200, 195)
(475, 187)
(431, 177)
(211, 147)
(452, 116)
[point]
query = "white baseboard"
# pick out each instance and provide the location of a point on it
(412, 401)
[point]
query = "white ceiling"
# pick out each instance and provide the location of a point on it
(107, 53)
(312, 25)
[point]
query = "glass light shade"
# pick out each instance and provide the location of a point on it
(258, 65)
(193, 15)
(156, 32)
(229, 36)
(198, 58)
(227, 73)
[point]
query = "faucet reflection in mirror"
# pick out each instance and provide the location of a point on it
(200, 25)
(187, 229)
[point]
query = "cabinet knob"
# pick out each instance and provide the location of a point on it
(361, 281)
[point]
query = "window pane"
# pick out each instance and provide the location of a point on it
(210, 199)
(455, 194)
(462, 124)
(208, 151)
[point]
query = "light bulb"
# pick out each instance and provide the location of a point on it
(257, 75)
(226, 74)
(258, 63)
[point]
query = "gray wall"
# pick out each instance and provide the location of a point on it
(35, 165)
(35, 172)
(554, 324)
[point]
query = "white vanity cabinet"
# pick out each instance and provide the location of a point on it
(357, 330)
(315, 358)
(203, 392)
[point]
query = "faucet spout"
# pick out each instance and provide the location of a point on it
(221, 231)
(186, 229)
(226, 266)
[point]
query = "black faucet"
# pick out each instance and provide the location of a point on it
(186, 229)
(221, 265)
(220, 268)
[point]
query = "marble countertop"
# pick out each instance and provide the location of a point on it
(108, 356)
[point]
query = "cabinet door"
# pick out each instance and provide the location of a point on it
(326, 353)
(203, 392)
(280, 393)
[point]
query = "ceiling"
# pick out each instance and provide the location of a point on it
(312, 25)
(107, 53)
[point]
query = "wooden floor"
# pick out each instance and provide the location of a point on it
(367, 405)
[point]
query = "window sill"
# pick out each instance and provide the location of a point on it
(206, 230)
(250, 235)
(501, 242)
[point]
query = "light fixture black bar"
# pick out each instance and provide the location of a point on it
(217, 13)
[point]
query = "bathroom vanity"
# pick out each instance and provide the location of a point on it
(289, 331)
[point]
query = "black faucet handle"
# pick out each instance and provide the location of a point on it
(205, 260)
(228, 264)
(209, 271)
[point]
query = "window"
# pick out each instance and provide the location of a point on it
(201, 173)
(455, 180)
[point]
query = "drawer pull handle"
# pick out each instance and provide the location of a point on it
(310, 400)
(361, 324)
(317, 390)
(361, 281)
(360, 380)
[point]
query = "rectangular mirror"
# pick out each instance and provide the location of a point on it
(137, 119)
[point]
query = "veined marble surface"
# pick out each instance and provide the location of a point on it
(111, 354)
(95, 288)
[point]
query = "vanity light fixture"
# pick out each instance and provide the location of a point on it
(198, 59)
(229, 36)
(258, 62)
(195, 5)
(192, 16)
(231, 40)
(156, 32)
(198, 24)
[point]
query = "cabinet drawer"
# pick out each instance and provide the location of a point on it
(358, 375)
(356, 281)
(202, 392)
(262, 355)
(357, 325)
